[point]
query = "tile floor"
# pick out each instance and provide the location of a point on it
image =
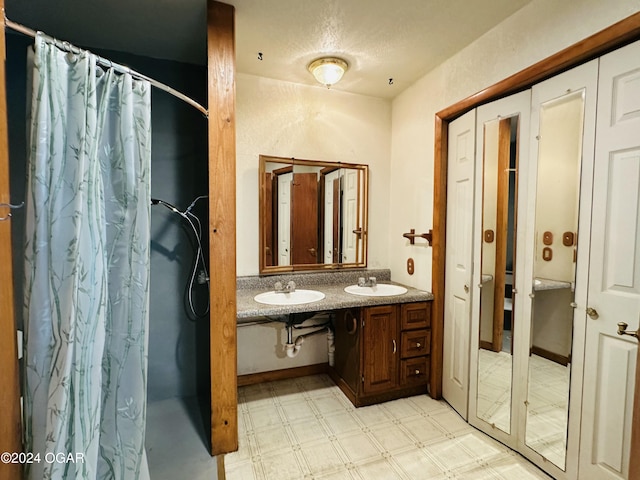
(494, 388)
(547, 415)
(306, 428)
(548, 411)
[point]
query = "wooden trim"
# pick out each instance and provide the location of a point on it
(10, 428)
(615, 36)
(484, 345)
(554, 357)
(439, 260)
(222, 474)
(222, 225)
(283, 170)
(502, 230)
(284, 374)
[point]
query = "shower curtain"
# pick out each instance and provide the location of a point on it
(86, 269)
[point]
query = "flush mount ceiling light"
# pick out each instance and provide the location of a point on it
(328, 70)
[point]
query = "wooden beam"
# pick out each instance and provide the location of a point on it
(222, 226)
(10, 428)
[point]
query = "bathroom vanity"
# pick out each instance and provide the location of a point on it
(382, 342)
(382, 352)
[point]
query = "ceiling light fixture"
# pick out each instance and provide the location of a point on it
(328, 70)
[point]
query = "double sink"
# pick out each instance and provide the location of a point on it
(300, 296)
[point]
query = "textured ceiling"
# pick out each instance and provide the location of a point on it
(380, 39)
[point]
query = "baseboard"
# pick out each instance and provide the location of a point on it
(486, 345)
(554, 357)
(286, 373)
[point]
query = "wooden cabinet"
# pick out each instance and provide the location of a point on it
(379, 348)
(382, 352)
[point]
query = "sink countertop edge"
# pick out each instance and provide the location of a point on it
(335, 299)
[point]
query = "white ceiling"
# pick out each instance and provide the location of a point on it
(380, 39)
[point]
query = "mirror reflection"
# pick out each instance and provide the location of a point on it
(495, 363)
(312, 214)
(556, 225)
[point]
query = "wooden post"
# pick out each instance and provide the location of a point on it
(10, 429)
(222, 226)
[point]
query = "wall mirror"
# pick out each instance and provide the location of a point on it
(497, 257)
(554, 269)
(313, 214)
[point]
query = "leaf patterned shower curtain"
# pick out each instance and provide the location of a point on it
(86, 269)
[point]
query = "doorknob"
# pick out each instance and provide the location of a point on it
(622, 330)
(466, 289)
(312, 251)
(592, 312)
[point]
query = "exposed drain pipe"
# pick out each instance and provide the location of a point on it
(292, 348)
(332, 347)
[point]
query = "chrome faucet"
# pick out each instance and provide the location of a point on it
(291, 287)
(369, 282)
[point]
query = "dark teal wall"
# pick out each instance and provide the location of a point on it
(178, 347)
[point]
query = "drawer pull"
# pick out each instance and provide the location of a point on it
(417, 372)
(418, 344)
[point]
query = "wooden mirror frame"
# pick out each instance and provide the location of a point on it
(264, 207)
(617, 35)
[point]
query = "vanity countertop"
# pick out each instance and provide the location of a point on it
(335, 297)
(546, 284)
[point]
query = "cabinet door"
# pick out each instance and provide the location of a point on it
(347, 347)
(380, 349)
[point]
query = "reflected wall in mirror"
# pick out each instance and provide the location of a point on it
(495, 360)
(313, 214)
(556, 226)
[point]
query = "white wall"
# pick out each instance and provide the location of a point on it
(537, 31)
(289, 120)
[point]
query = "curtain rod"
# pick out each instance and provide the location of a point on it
(107, 63)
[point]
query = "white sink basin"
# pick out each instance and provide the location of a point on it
(297, 297)
(380, 290)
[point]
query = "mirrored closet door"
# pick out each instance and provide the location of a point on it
(502, 132)
(556, 274)
(534, 162)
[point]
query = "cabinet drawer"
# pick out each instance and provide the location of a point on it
(415, 343)
(414, 371)
(415, 315)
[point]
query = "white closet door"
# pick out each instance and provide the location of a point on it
(515, 105)
(552, 431)
(614, 285)
(457, 308)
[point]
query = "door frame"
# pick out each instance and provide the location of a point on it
(617, 35)
(10, 419)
